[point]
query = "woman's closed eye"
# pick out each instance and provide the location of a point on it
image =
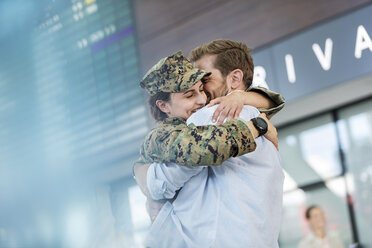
(189, 95)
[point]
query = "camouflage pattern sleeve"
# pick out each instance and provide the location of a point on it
(275, 97)
(197, 146)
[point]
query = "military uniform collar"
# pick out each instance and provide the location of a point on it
(174, 121)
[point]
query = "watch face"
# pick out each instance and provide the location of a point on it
(262, 123)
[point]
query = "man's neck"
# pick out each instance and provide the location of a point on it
(236, 90)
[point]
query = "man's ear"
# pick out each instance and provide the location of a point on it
(236, 79)
(163, 106)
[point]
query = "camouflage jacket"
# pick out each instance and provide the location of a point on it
(174, 141)
(278, 100)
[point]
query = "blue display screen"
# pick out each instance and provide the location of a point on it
(72, 114)
(69, 87)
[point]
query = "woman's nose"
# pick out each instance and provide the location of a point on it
(202, 98)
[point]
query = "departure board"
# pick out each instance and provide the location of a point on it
(69, 87)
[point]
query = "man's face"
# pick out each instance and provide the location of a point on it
(214, 85)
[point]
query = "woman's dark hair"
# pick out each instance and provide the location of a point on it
(156, 113)
(308, 210)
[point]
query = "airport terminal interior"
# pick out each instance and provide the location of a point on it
(73, 116)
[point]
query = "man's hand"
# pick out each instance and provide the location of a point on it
(230, 106)
(271, 133)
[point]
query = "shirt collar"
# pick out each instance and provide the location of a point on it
(174, 121)
(312, 235)
(235, 91)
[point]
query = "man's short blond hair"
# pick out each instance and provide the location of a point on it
(231, 55)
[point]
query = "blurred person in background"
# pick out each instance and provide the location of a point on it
(318, 237)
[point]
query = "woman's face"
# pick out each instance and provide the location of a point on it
(317, 219)
(185, 103)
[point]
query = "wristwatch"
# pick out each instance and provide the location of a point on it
(260, 124)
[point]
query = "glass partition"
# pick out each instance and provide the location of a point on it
(309, 152)
(355, 124)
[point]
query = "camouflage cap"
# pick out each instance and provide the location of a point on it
(172, 74)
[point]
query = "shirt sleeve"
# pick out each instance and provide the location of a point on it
(163, 180)
(275, 97)
(197, 146)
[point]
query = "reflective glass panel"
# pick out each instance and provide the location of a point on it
(309, 152)
(356, 134)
